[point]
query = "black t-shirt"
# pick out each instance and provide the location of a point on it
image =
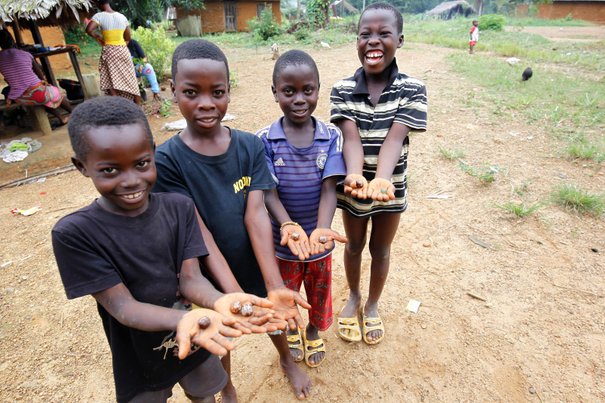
(96, 250)
(219, 186)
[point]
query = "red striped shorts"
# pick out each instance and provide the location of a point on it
(317, 277)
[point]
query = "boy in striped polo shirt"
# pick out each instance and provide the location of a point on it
(304, 156)
(375, 110)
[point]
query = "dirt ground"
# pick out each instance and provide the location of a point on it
(537, 333)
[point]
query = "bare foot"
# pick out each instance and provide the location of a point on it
(229, 394)
(300, 381)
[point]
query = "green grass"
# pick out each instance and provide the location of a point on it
(451, 155)
(555, 100)
(519, 209)
(575, 199)
(486, 175)
(583, 149)
(530, 47)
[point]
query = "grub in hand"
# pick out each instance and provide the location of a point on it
(295, 236)
(358, 183)
(236, 307)
(247, 309)
(323, 239)
(204, 322)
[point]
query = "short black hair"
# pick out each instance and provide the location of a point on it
(293, 58)
(197, 49)
(103, 111)
(388, 7)
(6, 39)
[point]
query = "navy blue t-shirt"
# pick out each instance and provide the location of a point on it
(219, 186)
(96, 250)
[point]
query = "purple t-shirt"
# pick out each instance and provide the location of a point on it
(299, 173)
(16, 67)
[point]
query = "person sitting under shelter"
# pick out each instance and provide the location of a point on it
(26, 80)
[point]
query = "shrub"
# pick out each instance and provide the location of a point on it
(157, 47)
(265, 27)
(493, 22)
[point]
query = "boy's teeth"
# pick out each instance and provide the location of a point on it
(133, 195)
(374, 54)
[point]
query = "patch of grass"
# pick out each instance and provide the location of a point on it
(451, 155)
(486, 175)
(522, 188)
(581, 148)
(520, 209)
(553, 99)
(578, 200)
(539, 22)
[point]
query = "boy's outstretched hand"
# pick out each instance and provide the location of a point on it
(322, 239)
(252, 314)
(285, 303)
(381, 189)
(207, 329)
(295, 237)
(356, 185)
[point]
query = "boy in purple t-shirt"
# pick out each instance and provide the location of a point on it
(304, 156)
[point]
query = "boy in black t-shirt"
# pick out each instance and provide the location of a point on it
(137, 255)
(224, 171)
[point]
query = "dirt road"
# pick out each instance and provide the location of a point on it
(536, 334)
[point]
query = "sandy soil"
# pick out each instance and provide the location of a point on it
(537, 334)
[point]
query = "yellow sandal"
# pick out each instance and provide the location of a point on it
(313, 347)
(370, 323)
(295, 343)
(348, 329)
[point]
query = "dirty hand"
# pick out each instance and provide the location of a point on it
(207, 329)
(381, 189)
(251, 314)
(295, 237)
(285, 303)
(356, 185)
(322, 239)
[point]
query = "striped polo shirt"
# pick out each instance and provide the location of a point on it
(112, 26)
(16, 67)
(403, 101)
(299, 173)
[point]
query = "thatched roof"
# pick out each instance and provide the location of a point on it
(448, 9)
(45, 12)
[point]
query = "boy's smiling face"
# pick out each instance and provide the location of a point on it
(377, 40)
(201, 89)
(297, 90)
(120, 162)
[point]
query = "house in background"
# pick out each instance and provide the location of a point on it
(451, 9)
(593, 11)
(231, 16)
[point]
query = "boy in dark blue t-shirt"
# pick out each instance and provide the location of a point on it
(224, 171)
(137, 255)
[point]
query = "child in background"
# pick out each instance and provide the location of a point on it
(224, 171)
(137, 255)
(375, 110)
(304, 156)
(143, 68)
(474, 36)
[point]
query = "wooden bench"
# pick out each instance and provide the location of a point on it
(38, 114)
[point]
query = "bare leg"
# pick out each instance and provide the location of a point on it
(138, 100)
(301, 384)
(384, 228)
(228, 394)
(355, 228)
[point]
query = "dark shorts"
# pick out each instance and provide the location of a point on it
(206, 380)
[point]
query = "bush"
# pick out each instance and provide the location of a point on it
(158, 48)
(493, 22)
(265, 27)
